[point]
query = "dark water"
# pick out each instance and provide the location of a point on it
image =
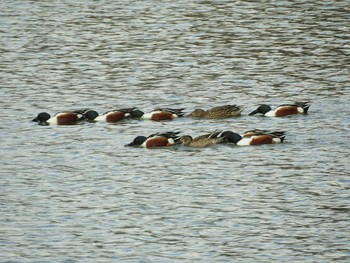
(75, 193)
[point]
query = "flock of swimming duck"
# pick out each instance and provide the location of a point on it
(162, 139)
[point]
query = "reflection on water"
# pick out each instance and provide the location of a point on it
(75, 192)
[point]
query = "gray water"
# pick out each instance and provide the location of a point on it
(75, 193)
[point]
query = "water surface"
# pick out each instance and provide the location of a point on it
(74, 193)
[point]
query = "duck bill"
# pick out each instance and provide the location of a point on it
(253, 112)
(35, 119)
(130, 144)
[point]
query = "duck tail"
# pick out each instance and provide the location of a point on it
(279, 134)
(304, 105)
(282, 137)
(215, 134)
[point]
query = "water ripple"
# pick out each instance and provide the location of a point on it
(75, 192)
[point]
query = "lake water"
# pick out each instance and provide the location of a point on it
(75, 193)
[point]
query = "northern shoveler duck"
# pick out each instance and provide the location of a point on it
(113, 115)
(156, 140)
(161, 114)
(282, 110)
(219, 112)
(253, 137)
(203, 140)
(61, 118)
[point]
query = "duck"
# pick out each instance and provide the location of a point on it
(161, 114)
(253, 137)
(282, 110)
(218, 112)
(160, 139)
(62, 118)
(202, 140)
(113, 116)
